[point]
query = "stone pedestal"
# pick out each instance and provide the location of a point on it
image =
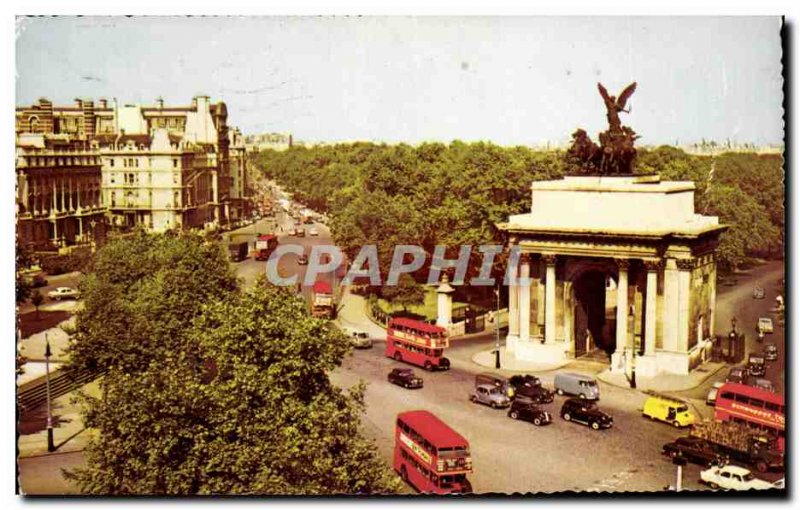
(535, 350)
(444, 309)
(646, 366)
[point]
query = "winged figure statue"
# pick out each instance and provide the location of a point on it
(615, 105)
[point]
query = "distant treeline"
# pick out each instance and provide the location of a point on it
(453, 194)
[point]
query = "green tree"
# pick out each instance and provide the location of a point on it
(23, 287)
(406, 293)
(141, 296)
(244, 407)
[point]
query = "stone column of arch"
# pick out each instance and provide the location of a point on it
(524, 299)
(550, 299)
(651, 288)
(513, 304)
(622, 308)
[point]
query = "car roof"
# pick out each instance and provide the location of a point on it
(487, 386)
(573, 375)
(736, 469)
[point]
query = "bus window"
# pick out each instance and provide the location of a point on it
(742, 398)
(756, 402)
(727, 395)
(772, 407)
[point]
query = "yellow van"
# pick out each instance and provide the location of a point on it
(668, 410)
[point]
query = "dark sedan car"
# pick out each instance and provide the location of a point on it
(587, 413)
(526, 380)
(404, 377)
(695, 450)
(529, 387)
(527, 411)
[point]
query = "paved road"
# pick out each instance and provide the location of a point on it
(509, 456)
(738, 301)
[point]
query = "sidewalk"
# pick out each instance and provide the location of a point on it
(353, 315)
(665, 382)
(69, 434)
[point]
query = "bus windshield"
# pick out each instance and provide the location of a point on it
(453, 453)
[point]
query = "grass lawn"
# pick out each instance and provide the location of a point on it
(428, 309)
(30, 325)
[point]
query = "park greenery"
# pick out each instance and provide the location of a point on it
(454, 194)
(208, 388)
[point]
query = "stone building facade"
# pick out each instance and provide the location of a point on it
(156, 166)
(616, 264)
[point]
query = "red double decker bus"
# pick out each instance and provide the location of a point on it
(431, 456)
(752, 406)
(417, 342)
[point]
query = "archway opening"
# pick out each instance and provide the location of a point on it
(594, 329)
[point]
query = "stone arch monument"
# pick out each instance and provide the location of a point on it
(624, 257)
(616, 261)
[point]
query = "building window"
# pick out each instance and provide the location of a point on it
(113, 199)
(111, 162)
(175, 163)
(175, 178)
(113, 177)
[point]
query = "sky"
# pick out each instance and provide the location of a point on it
(506, 79)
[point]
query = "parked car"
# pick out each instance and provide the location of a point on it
(695, 450)
(758, 293)
(585, 412)
(37, 281)
(765, 325)
(490, 395)
(361, 340)
(497, 381)
(732, 478)
(60, 293)
(528, 380)
(528, 411)
(291, 232)
(529, 387)
(302, 259)
(669, 410)
(583, 386)
(761, 383)
(405, 377)
(756, 365)
(770, 352)
(313, 232)
(711, 398)
(300, 232)
(736, 375)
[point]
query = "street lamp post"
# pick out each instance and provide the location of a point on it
(47, 353)
(497, 330)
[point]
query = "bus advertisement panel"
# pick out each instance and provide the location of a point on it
(418, 343)
(755, 407)
(430, 456)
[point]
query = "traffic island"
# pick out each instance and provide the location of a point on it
(510, 362)
(663, 382)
